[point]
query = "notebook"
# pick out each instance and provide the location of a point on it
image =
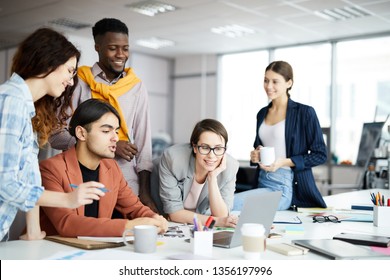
(338, 250)
(258, 208)
(83, 244)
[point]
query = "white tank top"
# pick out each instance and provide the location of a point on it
(274, 136)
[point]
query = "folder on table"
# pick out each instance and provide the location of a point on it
(83, 244)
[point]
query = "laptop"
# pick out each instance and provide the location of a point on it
(258, 208)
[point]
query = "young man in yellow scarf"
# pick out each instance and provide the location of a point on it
(109, 80)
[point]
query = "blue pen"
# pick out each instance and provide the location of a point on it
(102, 189)
(372, 198)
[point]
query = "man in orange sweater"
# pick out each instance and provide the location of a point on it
(95, 125)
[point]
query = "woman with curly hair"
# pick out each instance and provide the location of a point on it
(42, 83)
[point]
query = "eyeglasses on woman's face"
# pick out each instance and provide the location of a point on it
(72, 71)
(324, 219)
(206, 149)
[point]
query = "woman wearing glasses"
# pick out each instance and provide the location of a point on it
(198, 177)
(42, 83)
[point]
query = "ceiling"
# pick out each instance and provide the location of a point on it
(275, 22)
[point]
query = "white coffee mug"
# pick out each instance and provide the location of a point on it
(267, 155)
(145, 238)
(253, 240)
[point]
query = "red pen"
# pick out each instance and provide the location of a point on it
(388, 202)
(208, 222)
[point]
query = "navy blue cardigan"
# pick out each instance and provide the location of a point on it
(305, 146)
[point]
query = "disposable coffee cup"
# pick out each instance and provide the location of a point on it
(145, 238)
(253, 240)
(267, 155)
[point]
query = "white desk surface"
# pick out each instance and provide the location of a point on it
(43, 249)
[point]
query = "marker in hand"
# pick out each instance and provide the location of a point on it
(102, 189)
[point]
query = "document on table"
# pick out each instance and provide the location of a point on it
(286, 218)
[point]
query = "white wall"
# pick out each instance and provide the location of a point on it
(195, 93)
(155, 72)
(4, 66)
(5, 63)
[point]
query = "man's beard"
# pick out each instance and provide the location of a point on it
(115, 72)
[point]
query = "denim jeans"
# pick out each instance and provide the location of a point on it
(280, 180)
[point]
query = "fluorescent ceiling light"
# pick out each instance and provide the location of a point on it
(342, 13)
(155, 43)
(69, 23)
(233, 31)
(151, 8)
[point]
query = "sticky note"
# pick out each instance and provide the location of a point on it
(294, 229)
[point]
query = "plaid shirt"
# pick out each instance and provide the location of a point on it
(20, 179)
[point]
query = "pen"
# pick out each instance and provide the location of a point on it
(102, 189)
(195, 220)
(376, 200)
(208, 222)
(372, 198)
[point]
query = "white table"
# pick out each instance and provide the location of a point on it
(43, 249)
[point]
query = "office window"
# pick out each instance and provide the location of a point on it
(312, 76)
(362, 92)
(241, 96)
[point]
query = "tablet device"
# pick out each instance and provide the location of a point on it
(364, 239)
(339, 250)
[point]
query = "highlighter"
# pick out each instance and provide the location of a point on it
(102, 189)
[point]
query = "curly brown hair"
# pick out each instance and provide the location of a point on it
(38, 55)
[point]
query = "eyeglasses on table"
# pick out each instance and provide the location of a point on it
(324, 219)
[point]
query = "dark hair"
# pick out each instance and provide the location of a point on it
(109, 25)
(284, 69)
(41, 53)
(208, 125)
(88, 112)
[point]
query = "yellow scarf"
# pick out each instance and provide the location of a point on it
(111, 93)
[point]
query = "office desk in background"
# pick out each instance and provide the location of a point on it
(43, 249)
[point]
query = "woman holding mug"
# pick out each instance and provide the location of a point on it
(295, 133)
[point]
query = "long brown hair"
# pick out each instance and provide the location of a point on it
(37, 56)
